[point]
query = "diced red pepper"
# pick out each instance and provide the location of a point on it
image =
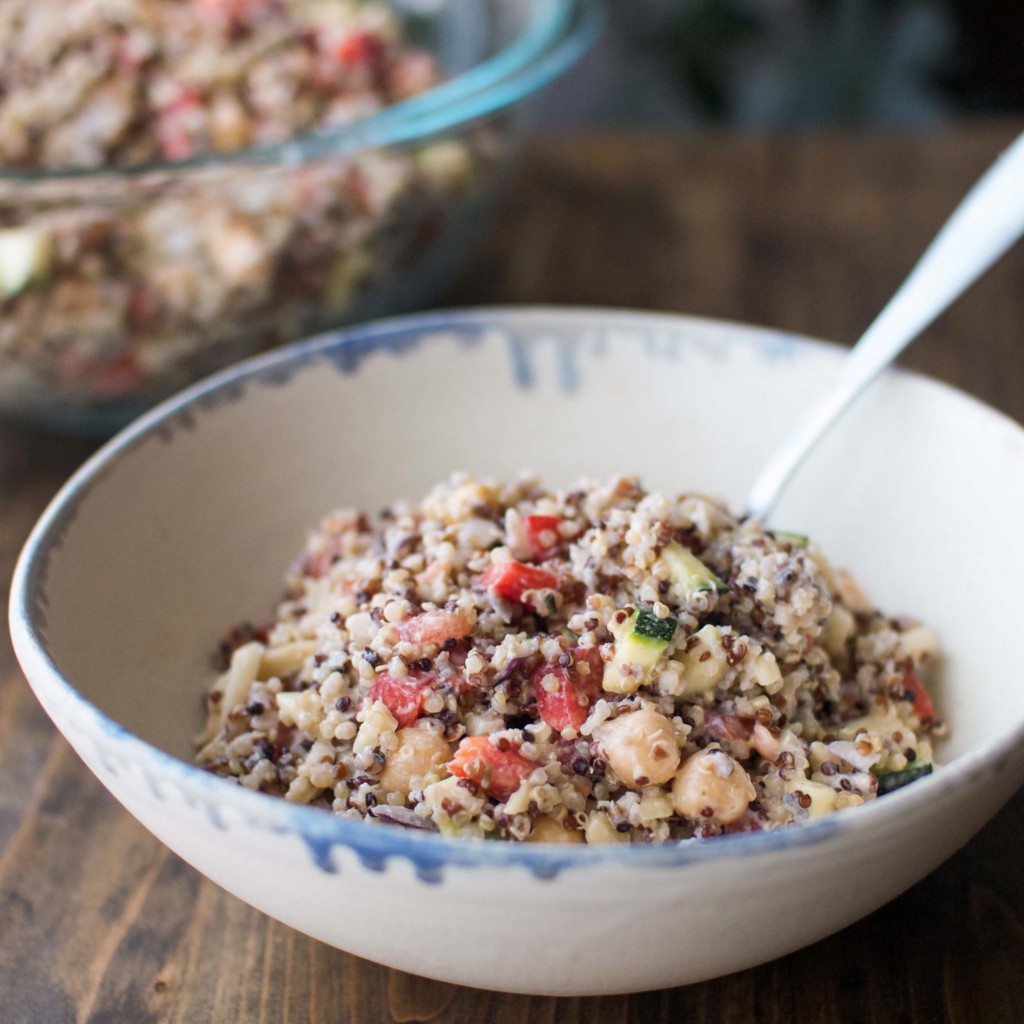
(923, 706)
(724, 726)
(512, 580)
(498, 772)
(358, 48)
(111, 376)
(119, 375)
(402, 697)
(542, 534)
(433, 628)
(176, 144)
(568, 705)
(174, 131)
(187, 99)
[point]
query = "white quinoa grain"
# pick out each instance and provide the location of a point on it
(541, 707)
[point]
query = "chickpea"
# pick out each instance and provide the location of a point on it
(547, 829)
(712, 779)
(419, 759)
(641, 748)
(705, 663)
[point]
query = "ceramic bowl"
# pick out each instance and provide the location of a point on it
(184, 523)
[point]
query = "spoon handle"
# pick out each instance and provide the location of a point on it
(985, 224)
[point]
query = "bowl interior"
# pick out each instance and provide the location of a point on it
(185, 524)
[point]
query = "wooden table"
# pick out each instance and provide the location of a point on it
(98, 922)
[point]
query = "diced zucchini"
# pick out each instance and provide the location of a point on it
(647, 628)
(888, 781)
(823, 798)
(880, 723)
(445, 798)
(797, 540)
(704, 663)
(24, 257)
(688, 572)
(643, 639)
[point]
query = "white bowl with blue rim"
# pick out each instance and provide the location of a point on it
(184, 523)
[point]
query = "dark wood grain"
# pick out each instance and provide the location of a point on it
(99, 923)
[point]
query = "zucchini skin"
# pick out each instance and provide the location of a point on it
(891, 781)
(797, 540)
(687, 570)
(647, 627)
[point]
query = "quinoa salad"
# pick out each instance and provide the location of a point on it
(133, 285)
(592, 665)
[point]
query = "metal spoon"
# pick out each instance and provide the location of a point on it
(985, 224)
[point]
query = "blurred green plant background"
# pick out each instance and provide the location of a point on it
(793, 64)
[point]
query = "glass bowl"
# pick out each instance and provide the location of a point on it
(121, 285)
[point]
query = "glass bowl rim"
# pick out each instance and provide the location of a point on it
(559, 32)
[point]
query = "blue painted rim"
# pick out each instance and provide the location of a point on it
(374, 844)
